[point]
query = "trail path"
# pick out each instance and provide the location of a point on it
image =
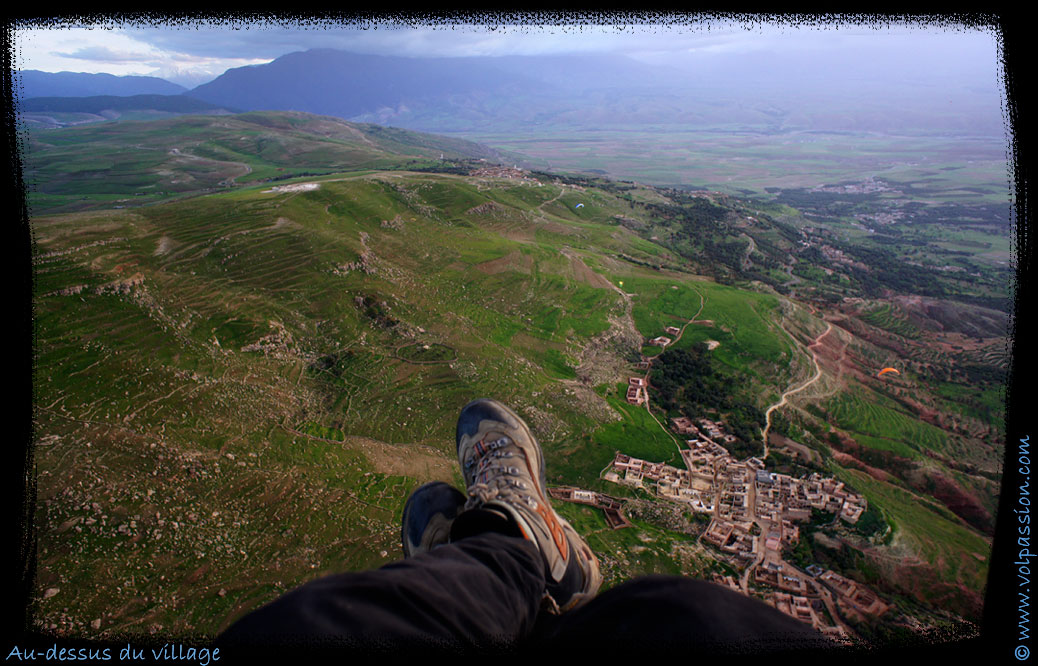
(793, 281)
(176, 152)
(780, 403)
(540, 208)
(750, 249)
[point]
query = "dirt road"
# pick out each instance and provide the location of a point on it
(782, 402)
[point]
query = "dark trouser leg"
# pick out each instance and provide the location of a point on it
(483, 591)
(672, 613)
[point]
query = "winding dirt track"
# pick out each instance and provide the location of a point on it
(780, 403)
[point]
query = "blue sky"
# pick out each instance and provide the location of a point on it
(191, 53)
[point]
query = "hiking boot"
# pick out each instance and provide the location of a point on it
(503, 468)
(428, 515)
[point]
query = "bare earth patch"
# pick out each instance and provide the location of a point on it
(582, 273)
(414, 460)
(164, 246)
(514, 261)
(297, 187)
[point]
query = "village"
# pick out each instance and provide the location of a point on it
(753, 514)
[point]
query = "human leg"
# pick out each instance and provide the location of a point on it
(508, 552)
(482, 591)
(678, 613)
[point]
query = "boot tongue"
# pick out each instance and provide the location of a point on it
(492, 441)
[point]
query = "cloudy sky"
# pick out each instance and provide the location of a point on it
(193, 52)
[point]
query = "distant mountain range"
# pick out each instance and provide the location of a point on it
(34, 83)
(520, 94)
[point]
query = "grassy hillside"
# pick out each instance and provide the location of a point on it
(236, 392)
(135, 163)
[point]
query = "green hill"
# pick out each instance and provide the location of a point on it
(236, 390)
(133, 163)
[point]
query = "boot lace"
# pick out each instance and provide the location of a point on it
(493, 477)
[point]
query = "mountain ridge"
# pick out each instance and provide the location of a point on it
(36, 83)
(517, 93)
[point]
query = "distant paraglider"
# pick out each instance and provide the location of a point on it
(579, 205)
(886, 370)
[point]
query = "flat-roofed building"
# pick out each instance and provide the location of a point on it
(851, 512)
(583, 496)
(683, 426)
(718, 533)
(636, 395)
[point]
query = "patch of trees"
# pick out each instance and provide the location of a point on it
(937, 249)
(702, 232)
(639, 262)
(442, 167)
(300, 174)
(754, 274)
(742, 449)
(683, 378)
(779, 423)
(998, 215)
(820, 518)
(694, 216)
(686, 381)
(870, 522)
(332, 363)
(619, 188)
(813, 255)
(976, 373)
(788, 231)
(825, 203)
(568, 179)
(783, 464)
(1000, 303)
(887, 271)
(376, 311)
(846, 560)
(803, 553)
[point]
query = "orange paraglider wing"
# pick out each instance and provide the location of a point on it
(886, 370)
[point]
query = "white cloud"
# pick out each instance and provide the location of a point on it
(116, 50)
(193, 52)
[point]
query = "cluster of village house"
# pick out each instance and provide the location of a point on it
(715, 483)
(663, 340)
(512, 173)
(610, 506)
(802, 598)
(712, 474)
